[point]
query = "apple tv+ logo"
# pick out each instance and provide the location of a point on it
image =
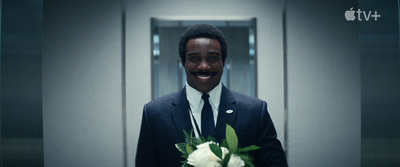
(350, 15)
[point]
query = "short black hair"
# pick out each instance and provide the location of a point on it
(202, 30)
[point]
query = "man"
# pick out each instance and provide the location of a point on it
(206, 106)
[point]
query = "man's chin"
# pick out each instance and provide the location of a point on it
(204, 88)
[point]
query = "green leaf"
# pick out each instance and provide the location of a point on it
(226, 159)
(224, 143)
(188, 137)
(249, 148)
(247, 159)
(189, 149)
(198, 141)
(181, 147)
(216, 150)
(210, 138)
(231, 139)
(186, 165)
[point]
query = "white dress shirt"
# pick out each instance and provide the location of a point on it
(196, 104)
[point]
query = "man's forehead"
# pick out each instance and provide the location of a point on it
(202, 40)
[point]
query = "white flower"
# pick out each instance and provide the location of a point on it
(224, 151)
(203, 157)
(235, 161)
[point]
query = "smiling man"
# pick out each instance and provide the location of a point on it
(206, 106)
(203, 63)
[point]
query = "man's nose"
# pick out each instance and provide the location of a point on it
(204, 65)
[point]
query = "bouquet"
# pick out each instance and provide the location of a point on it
(200, 152)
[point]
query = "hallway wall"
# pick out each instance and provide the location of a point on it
(83, 76)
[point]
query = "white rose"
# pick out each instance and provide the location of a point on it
(235, 161)
(203, 157)
(224, 152)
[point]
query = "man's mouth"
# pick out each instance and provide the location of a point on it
(204, 75)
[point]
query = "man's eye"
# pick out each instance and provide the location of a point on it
(194, 58)
(213, 58)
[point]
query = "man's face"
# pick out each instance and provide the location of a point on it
(203, 65)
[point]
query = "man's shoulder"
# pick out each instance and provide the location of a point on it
(166, 99)
(159, 106)
(242, 97)
(246, 99)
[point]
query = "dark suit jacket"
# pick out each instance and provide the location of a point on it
(165, 118)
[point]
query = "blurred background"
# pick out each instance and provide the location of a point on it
(76, 74)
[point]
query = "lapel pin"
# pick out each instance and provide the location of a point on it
(229, 111)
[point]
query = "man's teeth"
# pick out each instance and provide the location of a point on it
(204, 77)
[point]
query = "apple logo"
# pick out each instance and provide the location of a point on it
(349, 14)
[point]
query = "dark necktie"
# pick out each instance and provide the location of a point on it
(207, 118)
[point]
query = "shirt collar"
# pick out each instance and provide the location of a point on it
(194, 96)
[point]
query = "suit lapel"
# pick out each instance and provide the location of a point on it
(224, 115)
(181, 118)
(180, 114)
